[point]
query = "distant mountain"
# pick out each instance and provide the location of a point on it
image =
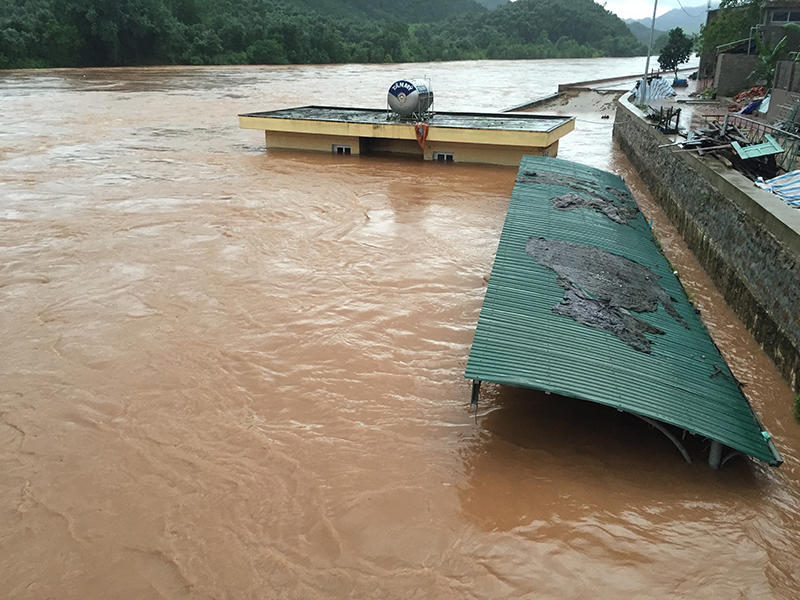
(690, 18)
(642, 32)
(490, 4)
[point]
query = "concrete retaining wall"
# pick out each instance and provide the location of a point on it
(780, 105)
(732, 73)
(785, 91)
(787, 76)
(745, 238)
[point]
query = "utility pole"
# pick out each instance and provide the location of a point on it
(643, 87)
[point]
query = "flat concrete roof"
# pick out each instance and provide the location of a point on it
(454, 120)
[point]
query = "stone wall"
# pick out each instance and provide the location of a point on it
(745, 238)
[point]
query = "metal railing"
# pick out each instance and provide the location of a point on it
(754, 131)
(723, 47)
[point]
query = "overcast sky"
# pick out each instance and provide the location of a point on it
(639, 9)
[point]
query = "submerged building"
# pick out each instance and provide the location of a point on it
(582, 304)
(490, 138)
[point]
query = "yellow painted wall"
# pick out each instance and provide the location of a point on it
(488, 154)
(477, 151)
(405, 131)
(378, 145)
(336, 128)
(304, 141)
(499, 137)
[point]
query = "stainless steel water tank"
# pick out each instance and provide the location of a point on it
(409, 96)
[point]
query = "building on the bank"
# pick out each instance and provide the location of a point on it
(774, 15)
(784, 102)
(732, 64)
(491, 138)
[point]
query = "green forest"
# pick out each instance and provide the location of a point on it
(101, 33)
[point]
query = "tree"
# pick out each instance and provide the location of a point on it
(62, 33)
(676, 51)
(793, 28)
(768, 57)
(732, 23)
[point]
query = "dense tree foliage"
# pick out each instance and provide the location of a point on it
(732, 23)
(768, 56)
(61, 33)
(408, 11)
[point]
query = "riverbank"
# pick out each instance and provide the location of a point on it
(743, 256)
(747, 239)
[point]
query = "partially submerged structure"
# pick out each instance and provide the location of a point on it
(492, 138)
(581, 303)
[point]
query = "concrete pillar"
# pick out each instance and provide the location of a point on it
(715, 455)
(476, 392)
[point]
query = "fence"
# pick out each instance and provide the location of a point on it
(755, 131)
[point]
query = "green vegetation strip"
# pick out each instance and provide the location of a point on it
(581, 303)
(92, 33)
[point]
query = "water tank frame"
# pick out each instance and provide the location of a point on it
(410, 99)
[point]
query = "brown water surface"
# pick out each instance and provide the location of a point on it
(227, 373)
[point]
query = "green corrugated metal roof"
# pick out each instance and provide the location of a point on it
(683, 380)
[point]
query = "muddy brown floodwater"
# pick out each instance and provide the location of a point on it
(227, 373)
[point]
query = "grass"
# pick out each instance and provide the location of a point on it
(797, 408)
(658, 244)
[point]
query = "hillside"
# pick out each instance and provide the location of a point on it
(642, 32)
(407, 11)
(568, 22)
(490, 4)
(68, 33)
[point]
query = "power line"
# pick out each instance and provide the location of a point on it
(688, 14)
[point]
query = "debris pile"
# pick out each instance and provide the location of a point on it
(729, 144)
(705, 94)
(666, 120)
(789, 122)
(754, 93)
(602, 289)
